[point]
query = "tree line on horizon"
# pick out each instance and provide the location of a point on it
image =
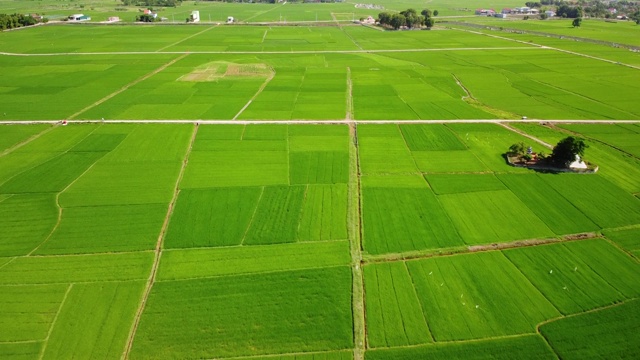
(409, 18)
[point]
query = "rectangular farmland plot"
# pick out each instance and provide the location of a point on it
(12, 135)
(93, 229)
(277, 216)
(404, 219)
(448, 161)
(295, 311)
(77, 268)
(202, 263)
(321, 167)
(381, 155)
(462, 302)
(522, 347)
(21, 351)
(603, 202)
(571, 277)
(629, 239)
(324, 213)
(462, 183)
(25, 222)
(309, 143)
(430, 138)
(549, 205)
(606, 333)
(492, 216)
(53, 175)
(94, 321)
(236, 168)
(28, 311)
(152, 142)
(211, 217)
(119, 183)
(394, 313)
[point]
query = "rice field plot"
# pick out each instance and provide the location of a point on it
(463, 183)
(29, 311)
(492, 216)
(296, 92)
(204, 263)
(557, 212)
(25, 222)
(460, 161)
(61, 86)
(194, 87)
(382, 149)
(629, 239)
(430, 138)
(148, 142)
(606, 333)
(94, 320)
(294, 311)
(212, 216)
(460, 302)
(394, 314)
(26, 351)
(65, 269)
(96, 229)
(615, 166)
(522, 347)
(625, 138)
(315, 167)
(579, 276)
(11, 136)
(604, 203)
(397, 219)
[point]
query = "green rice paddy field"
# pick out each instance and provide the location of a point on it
(179, 240)
(317, 240)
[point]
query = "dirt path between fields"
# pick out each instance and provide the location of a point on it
(158, 249)
(511, 128)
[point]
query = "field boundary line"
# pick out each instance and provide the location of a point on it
(467, 249)
(26, 141)
(354, 231)
(349, 115)
(9, 262)
(158, 249)
(127, 86)
(309, 52)
(187, 38)
(520, 132)
(264, 12)
(285, 354)
(435, 343)
(350, 37)
(277, 271)
(253, 216)
(325, 122)
(422, 309)
(53, 324)
(264, 85)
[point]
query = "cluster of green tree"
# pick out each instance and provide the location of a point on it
(164, 3)
(408, 18)
(636, 17)
(563, 154)
(18, 20)
(532, 4)
(568, 11)
(147, 18)
(592, 8)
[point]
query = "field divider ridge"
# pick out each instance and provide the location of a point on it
(158, 248)
(127, 86)
(53, 323)
(349, 115)
(522, 133)
(354, 230)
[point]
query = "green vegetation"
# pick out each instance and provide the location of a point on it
(604, 333)
(293, 311)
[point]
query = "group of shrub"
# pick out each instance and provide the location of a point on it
(408, 18)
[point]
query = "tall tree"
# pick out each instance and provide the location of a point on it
(566, 150)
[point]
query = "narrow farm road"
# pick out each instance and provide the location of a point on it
(158, 249)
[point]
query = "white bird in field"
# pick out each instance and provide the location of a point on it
(550, 271)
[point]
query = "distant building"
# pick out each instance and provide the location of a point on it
(113, 19)
(369, 20)
(506, 11)
(550, 13)
(230, 19)
(149, 12)
(578, 163)
(485, 12)
(79, 17)
(500, 16)
(195, 16)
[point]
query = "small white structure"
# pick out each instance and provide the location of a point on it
(79, 17)
(230, 19)
(500, 16)
(113, 19)
(195, 16)
(578, 163)
(369, 20)
(550, 13)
